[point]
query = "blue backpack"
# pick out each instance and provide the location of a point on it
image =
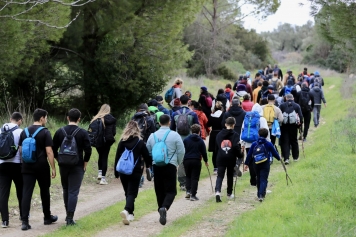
(251, 127)
(260, 153)
(160, 151)
(29, 146)
(227, 95)
(126, 163)
(168, 97)
(288, 90)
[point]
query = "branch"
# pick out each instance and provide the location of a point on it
(69, 50)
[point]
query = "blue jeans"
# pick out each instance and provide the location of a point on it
(262, 172)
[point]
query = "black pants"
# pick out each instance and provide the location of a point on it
(306, 118)
(289, 138)
(165, 183)
(103, 157)
(273, 138)
(130, 184)
(214, 159)
(9, 172)
(71, 178)
(251, 168)
(44, 182)
(230, 178)
(192, 172)
(262, 172)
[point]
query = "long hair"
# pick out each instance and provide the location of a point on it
(131, 130)
(104, 110)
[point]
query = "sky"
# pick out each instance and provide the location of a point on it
(288, 12)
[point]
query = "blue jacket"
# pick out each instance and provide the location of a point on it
(195, 148)
(269, 147)
(162, 109)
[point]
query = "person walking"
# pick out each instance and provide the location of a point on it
(306, 103)
(177, 93)
(39, 170)
(72, 174)
(160, 102)
(237, 113)
(319, 98)
(203, 120)
(131, 140)
(10, 169)
(222, 97)
(165, 181)
(256, 91)
(206, 100)
(247, 104)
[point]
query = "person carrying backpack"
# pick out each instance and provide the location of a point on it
(319, 98)
(203, 120)
(69, 143)
(160, 102)
(36, 167)
(289, 89)
(108, 122)
(241, 92)
(248, 88)
(10, 165)
(221, 96)
(228, 92)
(206, 100)
(176, 91)
(317, 79)
(278, 71)
(247, 104)
(258, 155)
(263, 91)
(155, 113)
(256, 92)
(276, 83)
(289, 77)
(258, 78)
(228, 150)
(292, 119)
(237, 113)
(195, 149)
(128, 166)
(306, 102)
(167, 151)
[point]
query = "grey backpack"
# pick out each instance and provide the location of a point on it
(183, 122)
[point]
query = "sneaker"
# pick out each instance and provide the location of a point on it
(5, 224)
(103, 181)
(100, 175)
(286, 162)
(182, 188)
(163, 216)
(296, 159)
(260, 199)
(131, 217)
(187, 196)
(268, 191)
(230, 196)
(194, 198)
(148, 174)
(25, 225)
(218, 198)
(48, 221)
(215, 171)
(125, 217)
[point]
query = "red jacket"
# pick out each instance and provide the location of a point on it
(203, 122)
(247, 105)
(231, 93)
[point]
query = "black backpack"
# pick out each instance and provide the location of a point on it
(96, 133)
(68, 152)
(290, 79)
(8, 149)
(141, 120)
(304, 99)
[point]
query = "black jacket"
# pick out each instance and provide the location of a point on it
(194, 148)
(216, 125)
(296, 107)
(228, 148)
(110, 128)
(239, 114)
(151, 127)
(206, 109)
(222, 98)
(311, 96)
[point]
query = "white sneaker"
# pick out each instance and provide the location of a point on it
(103, 181)
(125, 217)
(231, 196)
(100, 175)
(131, 217)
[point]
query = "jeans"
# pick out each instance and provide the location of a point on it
(192, 171)
(220, 178)
(262, 172)
(165, 184)
(316, 114)
(306, 118)
(252, 171)
(130, 184)
(181, 175)
(289, 138)
(103, 157)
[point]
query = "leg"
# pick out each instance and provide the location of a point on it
(104, 159)
(5, 186)
(159, 184)
(188, 174)
(220, 178)
(285, 144)
(100, 157)
(252, 171)
(29, 181)
(170, 185)
(230, 178)
(263, 173)
(181, 175)
(64, 180)
(258, 179)
(195, 175)
(75, 179)
(132, 191)
(214, 159)
(18, 181)
(315, 115)
(318, 113)
(44, 182)
(293, 139)
(273, 138)
(307, 117)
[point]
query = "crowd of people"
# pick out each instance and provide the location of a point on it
(242, 123)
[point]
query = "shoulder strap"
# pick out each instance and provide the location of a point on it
(65, 134)
(37, 131)
(155, 137)
(135, 145)
(178, 112)
(27, 132)
(165, 135)
(9, 130)
(76, 131)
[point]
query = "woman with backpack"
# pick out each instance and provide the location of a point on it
(177, 90)
(203, 120)
(221, 96)
(247, 104)
(131, 141)
(206, 100)
(109, 124)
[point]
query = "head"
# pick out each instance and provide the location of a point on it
(131, 130)
(74, 115)
(259, 84)
(289, 72)
(275, 66)
(228, 86)
(246, 97)
(189, 94)
(184, 99)
(235, 102)
(248, 74)
(142, 107)
(263, 132)
(264, 101)
(265, 83)
(176, 102)
(289, 97)
(230, 123)
(316, 73)
(258, 75)
(195, 105)
(164, 120)
(178, 82)
(304, 85)
(218, 106)
(221, 91)
(159, 99)
(203, 90)
(270, 71)
(195, 129)
(153, 103)
(16, 117)
(40, 116)
(271, 99)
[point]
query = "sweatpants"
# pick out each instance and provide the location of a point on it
(130, 183)
(289, 138)
(316, 114)
(262, 172)
(192, 171)
(103, 157)
(230, 178)
(165, 184)
(44, 182)
(71, 178)
(306, 118)
(252, 171)
(181, 176)
(9, 172)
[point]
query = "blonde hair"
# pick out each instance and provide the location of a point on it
(104, 110)
(178, 81)
(218, 105)
(131, 130)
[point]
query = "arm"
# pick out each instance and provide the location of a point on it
(50, 157)
(56, 144)
(202, 149)
(281, 92)
(180, 149)
(173, 122)
(146, 155)
(322, 97)
(299, 111)
(86, 148)
(279, 114)
(259, 96)
(234, 87)
(312, 100)
(249, 155)
(272, 150)
(149, 144)
(195, 119)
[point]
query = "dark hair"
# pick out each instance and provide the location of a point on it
(16, 116)
(164, 119)
(246, 97)
(195, 128)
(142, 106)
(38, 114)
(228, 86)
(265, 83)
(263, 132)
(270, 70)
(184, 99)
(259, 83)
(220, 91)
(230, 121)
(74, 115)
(258, 74)
(264, 102)
(196, 105)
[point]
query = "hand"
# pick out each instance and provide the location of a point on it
(53, 173)
(206, 164)
(85, 169)
(245, 168)
(325, 105)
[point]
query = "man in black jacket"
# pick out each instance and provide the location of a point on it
(292, 119)
(306, 102)
(237, 113)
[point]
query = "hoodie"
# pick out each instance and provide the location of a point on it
(228, 148)
(151, 127)
(110, 128)
(248, 87)
(203, 122)
(239, 114)
(318, 95)
(269, 147)
(259, 96)
(195, 148)
(222, 98)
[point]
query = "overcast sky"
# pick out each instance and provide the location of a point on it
(288, 12)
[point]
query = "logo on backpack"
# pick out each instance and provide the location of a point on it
(126, 163)
(8, 149)
(260, 153)
(96, 133)
(160, 151)
(269, 114)
(183, 122)
(168, 97)
(68, 152)
(29, 146)
(226, 145)
(251, 127)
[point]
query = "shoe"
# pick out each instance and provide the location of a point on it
(286, 162)
(103, 181)
(235, 174)
(194, 198)
(187, 196)
(25, 225)
(296, 159)
(218, 198)
(304, 139)
(148, 174)
(230, 196)
(69, 219)
(100, 175)
(163, 216)
(48, 221)
(131, 217)
(215, 171)
(182, 188)
(125, 217)
(260, 199)
(5, 224)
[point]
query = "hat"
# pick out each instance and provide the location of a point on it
(316, 73)
(159, 98)
(270, 87)
(271, 97)
(241, 87)
(248, 73)
(176, 102)
(204, 88)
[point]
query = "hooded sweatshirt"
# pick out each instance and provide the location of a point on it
(203, 122)
(238, 113)
(195, 148)
(110, 128)
(228, 148)
(248, 87)
(269, 147)
(318, 95)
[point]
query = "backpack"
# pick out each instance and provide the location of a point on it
(290, 116)
(8, 149)
(274, 84)
(319, 80)
(142, 123)
(251, 127)
(260, 153)
(208, 101)
(291, 79)
(68, 152)
(264, 94)
(155, 116)
(227, 94)
(269, 114)
(126, 163)
(29, 146)
(182, 122)
(96, 133)
(160, 151)
(304, 99)
(288, 90)
(168, 97)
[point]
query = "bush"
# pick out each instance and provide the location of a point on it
(226, 73)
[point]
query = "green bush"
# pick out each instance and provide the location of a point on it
(226, 73)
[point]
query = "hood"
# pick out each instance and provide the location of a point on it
(221, 97)
(194, 137)
(256, 107)
(109, 119)
(261, 140)
(153, 109)
(217, 114)
(226, 133)
(316, 89)
(130, 142)
(236, 110)
(306, 89)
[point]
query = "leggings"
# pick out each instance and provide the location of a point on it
(103, 157)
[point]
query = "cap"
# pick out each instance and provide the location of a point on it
(204, 88)
(271, 97)
(159, 98)
(176, 102)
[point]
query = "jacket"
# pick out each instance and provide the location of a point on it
(255, 94)
(176, 94)
(110, 128)
(296, 108)
(269, 147)
(306, 90)
(227, 147)
(203, 122)
(173, 142)
(247, 105)
(215, 122)
(248, 87)
(205, 107)
(277, 113)
(239, 115)
(163, 109)
(195, 148)
(151, 127)
(318, 95)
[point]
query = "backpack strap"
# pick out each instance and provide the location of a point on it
(178, 112)
(65, 134)
(166, 135)
(27, 132)
(37, 131)
(135, 146)
(8, 128)
(76, 131)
